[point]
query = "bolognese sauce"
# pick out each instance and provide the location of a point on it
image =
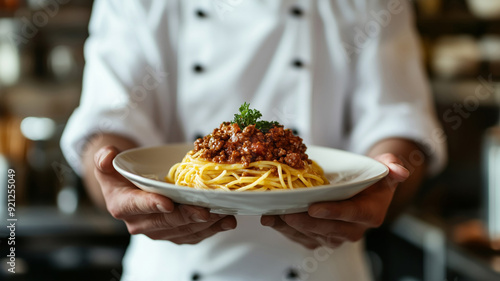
(229, 144)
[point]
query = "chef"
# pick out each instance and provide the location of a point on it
(341, 74)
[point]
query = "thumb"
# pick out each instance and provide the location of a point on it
(398, 172)
(103, 159)
(104, 171)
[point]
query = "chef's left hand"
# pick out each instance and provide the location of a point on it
(332, 223)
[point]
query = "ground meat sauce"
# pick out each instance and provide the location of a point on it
(228, 144)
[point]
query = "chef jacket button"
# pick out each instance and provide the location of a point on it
(292, 274)
(296, 11)
(198, 136)
(198, 68)
(201, 13)
(196, 276)
(297, 63)
(295, 132)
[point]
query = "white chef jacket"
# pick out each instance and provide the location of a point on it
(343, 74)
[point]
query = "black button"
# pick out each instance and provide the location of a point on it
(292, 274)
(296, 12)
(198, 136)
(295, 132)
(297, 63)
(201, 14)
(196, 276)
(198, 68)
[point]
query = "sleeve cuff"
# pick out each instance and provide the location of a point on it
(79, 129)
(425, 132)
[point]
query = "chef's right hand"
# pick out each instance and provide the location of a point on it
(152, 214)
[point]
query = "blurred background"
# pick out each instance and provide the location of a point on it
(450, 233)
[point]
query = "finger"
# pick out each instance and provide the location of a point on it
(279, 225)
(218, 224)
(369, 207)
(103, 159)
(388, 158)
(196, 214)
(329, 241)
(223, 225)
(126, 201)
(397, 172)
(366, 210)
(164, 233)
(104, 171)
(304, 236)
(183, 215)
(122, 197)
(267, 220)
(332, 231)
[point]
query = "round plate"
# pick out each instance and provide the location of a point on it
(348, 174)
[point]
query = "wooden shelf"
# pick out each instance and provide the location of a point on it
(455, 18)
(7, 14)
(478, 90)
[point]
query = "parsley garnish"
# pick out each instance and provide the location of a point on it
(249, 116)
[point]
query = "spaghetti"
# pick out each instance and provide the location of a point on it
(199, 173)
(239, 156)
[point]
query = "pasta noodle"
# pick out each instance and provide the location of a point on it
(199, 173)
(247, 154)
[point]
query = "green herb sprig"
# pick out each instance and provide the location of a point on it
(249, 116)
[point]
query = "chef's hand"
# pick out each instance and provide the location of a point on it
(332, 223)
(151, 214)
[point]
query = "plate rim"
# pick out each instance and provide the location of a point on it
(165, 185)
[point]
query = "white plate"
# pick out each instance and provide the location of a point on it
(348, 174)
